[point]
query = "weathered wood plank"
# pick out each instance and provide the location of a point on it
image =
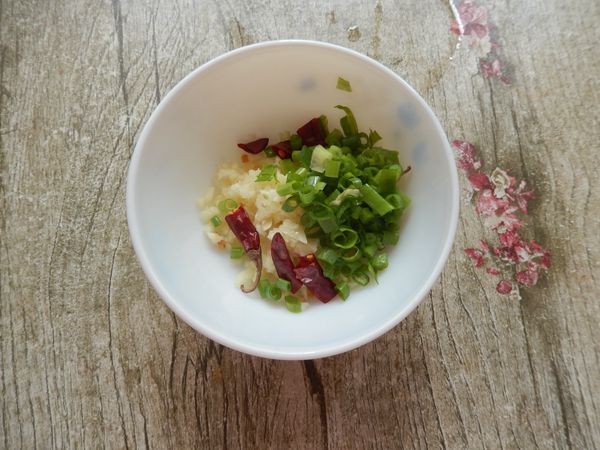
(91, 357)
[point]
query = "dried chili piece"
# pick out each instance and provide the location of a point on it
(256, 146)
(309, 272)
(312, 133)
(283, 149)
(283, 262)
(243, 228)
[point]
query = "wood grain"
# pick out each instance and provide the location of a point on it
(90, 356)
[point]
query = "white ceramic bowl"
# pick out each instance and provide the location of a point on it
(262, 90)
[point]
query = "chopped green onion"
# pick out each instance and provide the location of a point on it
(285, 189)
(307, 220)
(343, 290)
(332, 168)
(313, 232)
(373, 138)
(379, 262)
(329, 270)
(293, 304)
(374, 200)
(263, 288)
(284, 285)
(273, 293)
(290, 204)
(399, 201)
(370, 238)
(349, 192)
(346, 270)
(373, 272)
(361, 278)
(236, 252)
(295, 142)
(286, 166)
(267, 173)
(327, 255)
(307, 195)
(328, 224)
(320, 211)
(352, 254)
(366, 215)
(334, 138)
(312, 180)
(320, 186)
(300, 173)
(345, 181)
(324, 216)
(391, 237)
(305, 156)
(319, 158)
(369, 250)
(352, 141)
(344, 237)
(227, 205)
(343, 85)
(269, 152)
(348, 122)
(324, 121)
(216, 221)
(332, 196)
(387, 178)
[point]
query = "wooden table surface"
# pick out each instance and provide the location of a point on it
(91, 357)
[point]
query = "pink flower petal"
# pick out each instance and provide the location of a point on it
(485, 247)
(476, 28)
(479, 181)
(466, 156)
(504, 287)
(527, 277)
(476, 256)
(510, 238)
(493, 271)
(545, 263)
(488, 204)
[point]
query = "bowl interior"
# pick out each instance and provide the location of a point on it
(264, 90)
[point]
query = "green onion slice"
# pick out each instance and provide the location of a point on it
(344, 237)
(227, 205)
(343, 85)
(293, 304)
(236, 252)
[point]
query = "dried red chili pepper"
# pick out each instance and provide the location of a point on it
(256, 146)
(243, 228)
(283, 149)
(312, 133)
(310, 273)
(283, 262)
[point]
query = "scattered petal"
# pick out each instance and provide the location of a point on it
(545, 263)
(488, 204)
(493, 271)
(504, 287)
(476, 256)
(479, 181)
(466, 156)
(510, 238)
(527, 277)
(485, 247)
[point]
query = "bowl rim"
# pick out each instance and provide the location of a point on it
(335, 347)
